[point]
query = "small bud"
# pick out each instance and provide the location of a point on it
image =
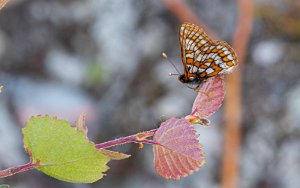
(196, 120)
(192, 119)
(141, 145)
(80, 124)
(204, 122)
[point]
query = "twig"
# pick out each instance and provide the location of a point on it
(136, 138)
(233, 107)
(3, 3)
(183, 12)
(14, 170)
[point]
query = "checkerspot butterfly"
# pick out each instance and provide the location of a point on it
(202, 57)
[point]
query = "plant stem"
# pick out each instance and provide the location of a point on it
(136, 138)
(14, 170)
(233, 100)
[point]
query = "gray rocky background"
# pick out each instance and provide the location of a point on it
(103, 58)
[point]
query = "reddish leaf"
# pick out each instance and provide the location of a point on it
(210, 97)
(179, 153)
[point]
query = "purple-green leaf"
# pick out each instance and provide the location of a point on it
(210, 97)
(179, 152)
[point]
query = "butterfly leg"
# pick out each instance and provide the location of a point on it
(198, 88)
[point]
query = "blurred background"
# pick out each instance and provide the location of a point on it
(103, 59)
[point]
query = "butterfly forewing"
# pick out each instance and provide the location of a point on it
(192, 39)
(201, 57)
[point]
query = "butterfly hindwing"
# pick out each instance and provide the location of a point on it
(201, 57)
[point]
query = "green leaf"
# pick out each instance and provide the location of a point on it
(4, 186)
(62, 151)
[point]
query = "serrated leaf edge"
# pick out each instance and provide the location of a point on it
(191, 171)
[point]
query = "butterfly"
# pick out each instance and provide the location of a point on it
(203, 58)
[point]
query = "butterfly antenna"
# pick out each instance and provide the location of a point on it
(166, 57)
(173, 74)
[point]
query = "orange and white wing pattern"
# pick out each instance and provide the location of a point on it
(201, 57)
(192, 39)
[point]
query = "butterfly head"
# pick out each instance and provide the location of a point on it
(182, 78)
(191, 79)
(191, 82)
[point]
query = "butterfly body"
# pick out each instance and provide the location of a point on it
(202, 57)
